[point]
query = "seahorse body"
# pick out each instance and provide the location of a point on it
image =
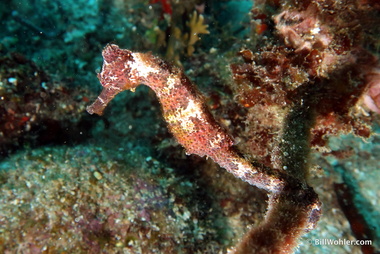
(293, 206)
(183, 108)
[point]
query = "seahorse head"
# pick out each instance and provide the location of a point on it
(116, 71)
(115, 77)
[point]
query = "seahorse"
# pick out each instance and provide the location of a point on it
(293, 206)
(183, 108)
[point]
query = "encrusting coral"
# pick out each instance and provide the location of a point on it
(34, 107)
(196, 130)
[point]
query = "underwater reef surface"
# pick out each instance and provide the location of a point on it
(87, 199)
(270, 71)
(83, 199)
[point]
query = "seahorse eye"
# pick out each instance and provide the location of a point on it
(112, 53)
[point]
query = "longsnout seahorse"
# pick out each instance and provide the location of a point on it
(293, 206)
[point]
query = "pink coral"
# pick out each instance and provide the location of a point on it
(372, 97)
